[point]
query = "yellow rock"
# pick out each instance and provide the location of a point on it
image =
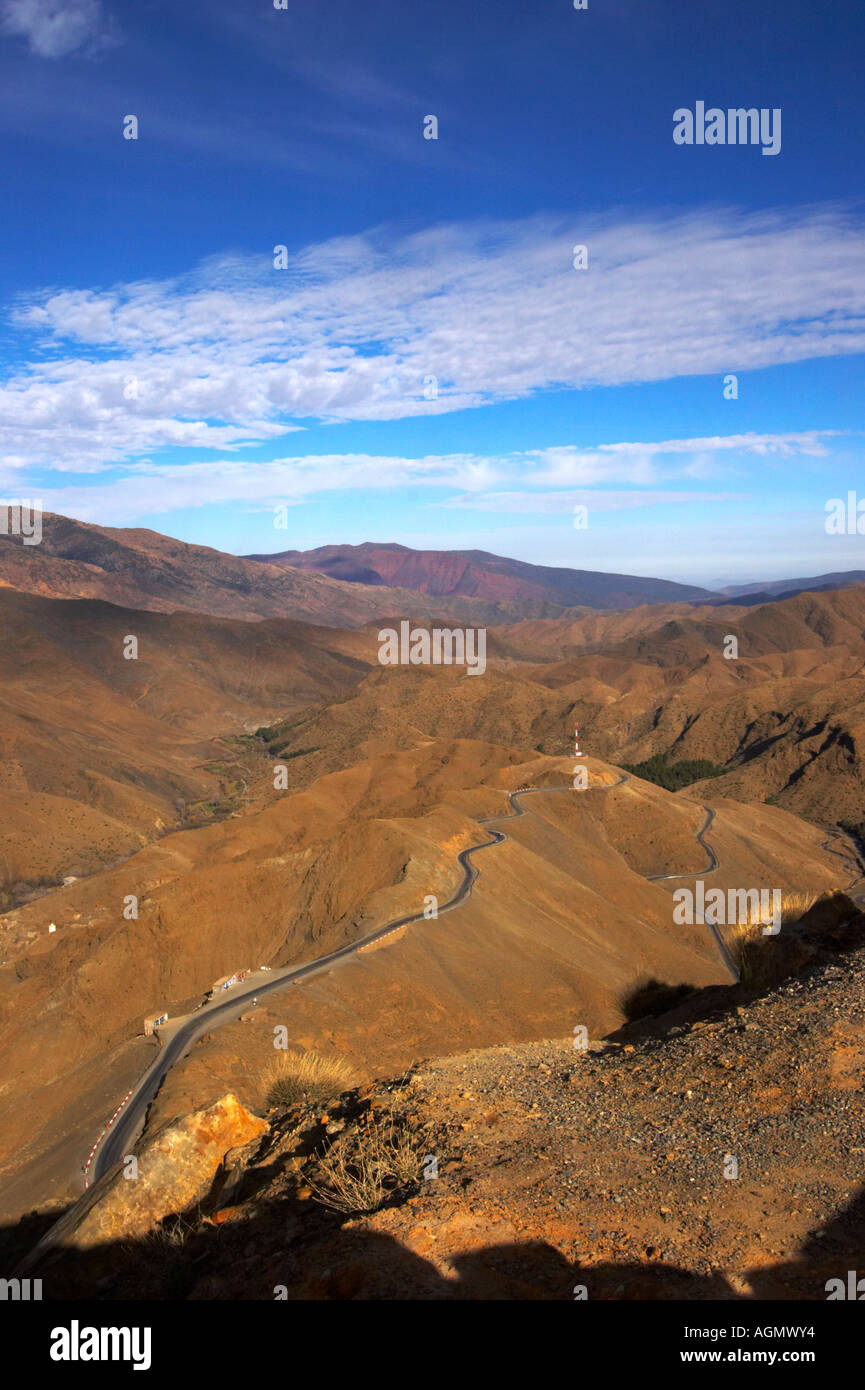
(175, 1171)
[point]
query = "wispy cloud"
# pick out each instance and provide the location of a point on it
(598, 499)
(56, 28)
(518, 483)
(380, 327)
(656, 460)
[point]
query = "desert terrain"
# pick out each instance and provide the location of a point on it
(265, 792)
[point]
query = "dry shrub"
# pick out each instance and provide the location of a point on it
(795, 905)
(756, 952)
(294, 1077)
(173, 1231)
(365, 1168)
(649, 998)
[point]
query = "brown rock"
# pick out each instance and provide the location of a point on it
(175, 1170)
(226, 1214)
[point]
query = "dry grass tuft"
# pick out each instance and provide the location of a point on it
(174, 1231)
(294, 1077)
(751, 946)
(365, 1168)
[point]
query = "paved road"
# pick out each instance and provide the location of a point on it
(713, 858)
(180, 1035)
(712, 865)
(183, 1033)
(857, 896)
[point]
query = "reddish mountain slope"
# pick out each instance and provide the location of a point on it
(142, 569)
(477, 574)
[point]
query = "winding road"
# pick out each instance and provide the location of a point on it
(181, 1034)
(713, 858)
(120, 1137)
(713, 864)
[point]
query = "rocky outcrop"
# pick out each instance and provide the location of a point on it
(716, 1157)
(175, 1171)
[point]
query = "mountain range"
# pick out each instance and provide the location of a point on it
(153, 780)
(339, 585)
(477, 574)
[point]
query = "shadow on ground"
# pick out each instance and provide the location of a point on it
(297, 1251)
(255, 1238)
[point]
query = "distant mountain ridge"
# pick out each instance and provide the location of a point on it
(343, 585)
(137, 568)
(773, 591)
(479, 574)
(838, 579)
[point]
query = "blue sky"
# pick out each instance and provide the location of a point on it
(429, 367)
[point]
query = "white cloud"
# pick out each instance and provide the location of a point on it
(801, 442)
(645, 463)
(494, 311)
(516, 482)
(154, 489)
(54, 28)
(596, 499)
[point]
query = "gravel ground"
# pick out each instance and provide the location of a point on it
(721, 1157)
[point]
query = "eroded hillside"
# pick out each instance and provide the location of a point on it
(388, 775)
(527, 1172)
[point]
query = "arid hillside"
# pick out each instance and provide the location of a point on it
(264, 792)
(477, 574)
(785, 588)
(682, 1160)
(101, 753)
(137, 568)
(783, 719)
(561, 925)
